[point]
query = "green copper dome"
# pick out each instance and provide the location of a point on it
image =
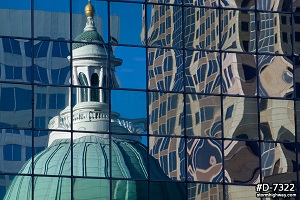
(87, 36)
(91, 159)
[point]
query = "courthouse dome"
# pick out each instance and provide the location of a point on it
(91, 158)
(87, 36)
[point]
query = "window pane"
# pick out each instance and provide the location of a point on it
(15, 65)
(241, 162)
(132, 72)
(280, 84)
(277, 162)
(52, 21)
(202, 72)
(165, 70)
(203, 116)
(164, 26)
(51, 65)
(205, 160)
(50, 103)
(15, 105)
(128, 13)
(79, 20)
(166, 114)
(170, 158)
(129, 112)
(205, 191)
(277, 120)
(16, 15)
(92, 188)
(240, 118)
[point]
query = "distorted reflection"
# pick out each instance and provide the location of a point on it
(277, 120)
(208, 95)
(279, 162)
(95, 150)
(240, 118)
(241, 161)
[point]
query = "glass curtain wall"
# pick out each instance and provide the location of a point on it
(202, 95)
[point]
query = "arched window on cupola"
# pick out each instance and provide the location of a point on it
(104, 91)
(83, 91)
(95, 91)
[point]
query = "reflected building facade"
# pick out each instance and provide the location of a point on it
(50, 66)
(236, 60)
(83, 142)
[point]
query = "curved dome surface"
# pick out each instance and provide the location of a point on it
(87, 36)
(91, 158)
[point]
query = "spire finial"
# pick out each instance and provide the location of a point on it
(89, 12)
(89, 9)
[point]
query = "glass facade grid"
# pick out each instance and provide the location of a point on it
(196, 98)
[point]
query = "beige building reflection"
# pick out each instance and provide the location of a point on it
(243, 72)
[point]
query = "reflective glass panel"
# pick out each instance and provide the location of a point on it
(275, 76)
(52, 21)
(55, 158)
(128, 111)
(16, 150)
(15, 105)
(25, 192)
(15, 60)
(129, 158)
(205, 191)
(248, 4)
(239, 74)
(127, 13)
(201, 28)
(46, 187)
(240, 192)
(202, 72)
(169, 154)
(204, 160)
(132, 189)
(238, 30)
(297, 111)
(164, 26)
(100, 19)
(95, 162)
(165, 70)
(241, 162)
(277, 120)
(15, 17)
(208, 3)
(240, 118)
(295, 38)
(166, 113)
(284, 6)
(178, 190)
(132, 72)
(278, 162)
(51, 107)
(297, 76)
(93, 188)
(166, 1)
(274, 33)
(51, 65)
(203, 116)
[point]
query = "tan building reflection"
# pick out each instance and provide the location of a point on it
(247, 68)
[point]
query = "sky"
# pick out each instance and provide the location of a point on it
(132, 73)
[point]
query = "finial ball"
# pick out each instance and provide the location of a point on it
(89, 10)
